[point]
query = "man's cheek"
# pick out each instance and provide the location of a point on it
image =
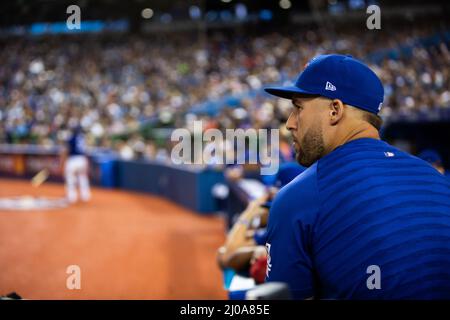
(300, 134)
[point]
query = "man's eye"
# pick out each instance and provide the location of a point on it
(298, 107)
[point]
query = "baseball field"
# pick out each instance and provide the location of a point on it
(126, 245)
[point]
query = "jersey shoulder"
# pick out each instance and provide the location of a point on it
(369, 158)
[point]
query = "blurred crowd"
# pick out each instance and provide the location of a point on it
(110, 85)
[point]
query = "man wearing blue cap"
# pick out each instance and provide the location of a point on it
(433, 157)
(365, 220)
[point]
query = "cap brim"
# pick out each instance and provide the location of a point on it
(287, 92)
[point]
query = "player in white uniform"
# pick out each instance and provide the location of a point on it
(76, 168)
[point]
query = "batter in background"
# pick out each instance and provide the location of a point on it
(76, 168)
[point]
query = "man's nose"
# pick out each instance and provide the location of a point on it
(290, 123)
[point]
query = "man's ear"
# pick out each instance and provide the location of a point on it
(336, 111)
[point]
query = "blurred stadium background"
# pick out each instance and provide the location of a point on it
(138, 69)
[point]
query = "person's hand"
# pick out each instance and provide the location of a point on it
(258, 264)
(258, 252)
(272, 192)
(254, 209)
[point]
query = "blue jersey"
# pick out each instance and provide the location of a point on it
(365, 210)
(76, 144)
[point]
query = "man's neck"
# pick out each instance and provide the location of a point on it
(364, 131)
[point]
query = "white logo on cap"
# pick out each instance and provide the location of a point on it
(330, 87)
(389, 154)
(380, 105)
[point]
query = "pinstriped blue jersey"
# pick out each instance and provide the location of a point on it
(365, 206)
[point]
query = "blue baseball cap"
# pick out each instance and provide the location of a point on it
(431, 156)
(287, 172)
(337, 76)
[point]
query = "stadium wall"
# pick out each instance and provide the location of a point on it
(190, 188)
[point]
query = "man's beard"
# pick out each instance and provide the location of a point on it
(312, 147)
